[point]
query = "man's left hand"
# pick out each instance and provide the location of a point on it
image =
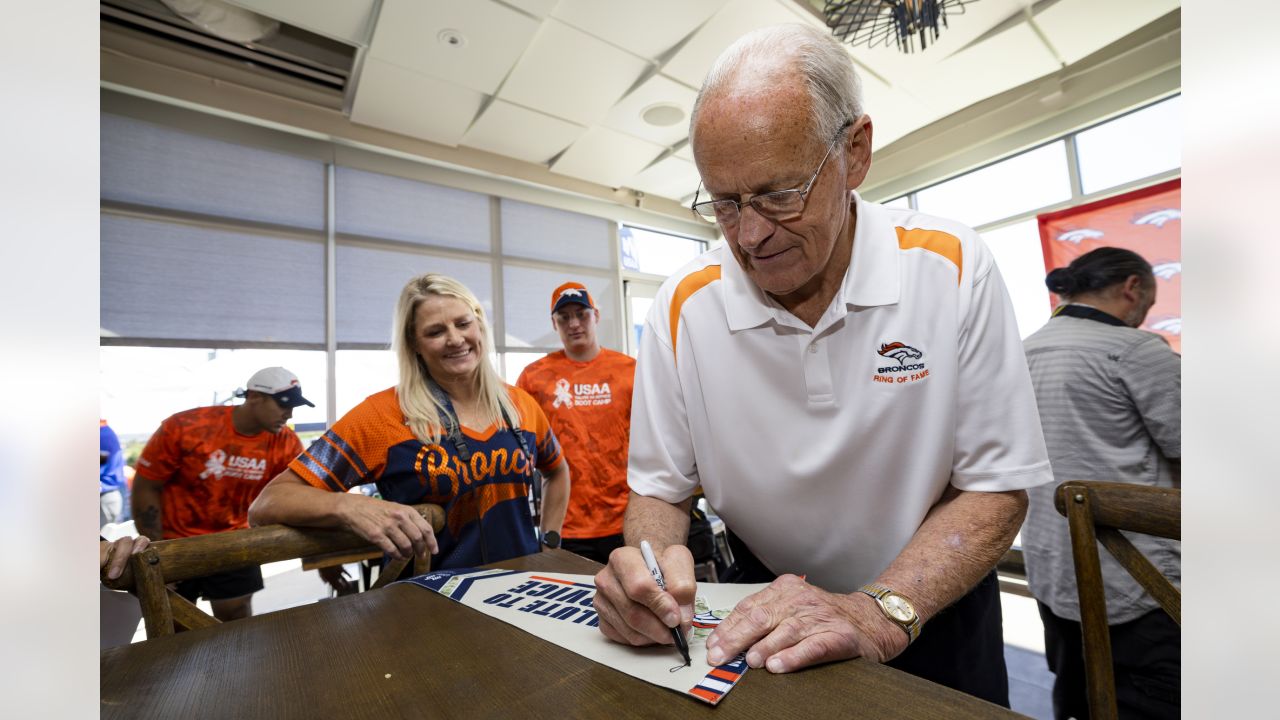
(792, 624)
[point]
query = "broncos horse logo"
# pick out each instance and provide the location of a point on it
(1166, 270)
(1159, 217)
(1076, 236)
(901, 353)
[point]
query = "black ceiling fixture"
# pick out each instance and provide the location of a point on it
(884, 22)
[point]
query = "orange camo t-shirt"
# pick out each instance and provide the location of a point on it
(211, 473)
(589, 407)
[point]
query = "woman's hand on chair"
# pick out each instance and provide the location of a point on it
(398, 530)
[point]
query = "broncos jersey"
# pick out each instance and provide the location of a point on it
(485, 496)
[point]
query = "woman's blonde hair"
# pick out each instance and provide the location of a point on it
(423, 413)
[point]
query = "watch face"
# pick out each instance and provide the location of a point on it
(899, 607)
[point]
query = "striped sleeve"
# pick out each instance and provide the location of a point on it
(352, 452)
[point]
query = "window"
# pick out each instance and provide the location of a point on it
(173, 281)
(369, 281)
(1131, 147)
(141, 386)
(1021, 262)
(1035, 179)
(383, 206)
(362, 373)
(146, 164)
(543, 233)
(527, 311)
(516, 362)
(656, 253)
(903, 202)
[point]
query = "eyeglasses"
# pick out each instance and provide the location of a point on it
(780, 205)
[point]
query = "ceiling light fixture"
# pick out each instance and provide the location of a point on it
(882, 22)
(663, 114)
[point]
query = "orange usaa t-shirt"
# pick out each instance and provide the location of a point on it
(211, 473)
(589, 407)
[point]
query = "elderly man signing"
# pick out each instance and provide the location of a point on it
(846, 383)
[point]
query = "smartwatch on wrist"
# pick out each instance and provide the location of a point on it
(551, 539)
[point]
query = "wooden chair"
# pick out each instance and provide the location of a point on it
(1096, 512)
(170, 561)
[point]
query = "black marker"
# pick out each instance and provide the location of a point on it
(652, 563)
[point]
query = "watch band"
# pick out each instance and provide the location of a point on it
(911, 625)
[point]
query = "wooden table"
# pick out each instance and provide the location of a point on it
(332, 659)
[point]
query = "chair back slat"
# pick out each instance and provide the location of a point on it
(1096, 512)
(1151, 579)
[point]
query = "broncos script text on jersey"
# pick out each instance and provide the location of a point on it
(485, 495)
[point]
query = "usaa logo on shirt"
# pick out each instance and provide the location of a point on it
(581, 394)
(910, 365)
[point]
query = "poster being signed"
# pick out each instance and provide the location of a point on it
(557, 607)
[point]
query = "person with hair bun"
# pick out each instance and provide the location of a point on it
(1110, 403)
(451, 433)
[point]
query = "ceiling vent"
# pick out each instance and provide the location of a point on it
(281, 51)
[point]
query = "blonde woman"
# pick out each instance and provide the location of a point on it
(451, 432)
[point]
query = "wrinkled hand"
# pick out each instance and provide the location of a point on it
(633, 610)
(336, 577)
(115, 555)
(792, 624)
(398, 530)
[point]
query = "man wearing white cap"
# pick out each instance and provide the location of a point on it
(200, 471)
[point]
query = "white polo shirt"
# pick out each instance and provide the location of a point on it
(823, 448)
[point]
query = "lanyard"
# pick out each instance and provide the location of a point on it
(453, 428)
(1088, 313)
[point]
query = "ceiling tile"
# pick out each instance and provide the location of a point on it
(572, 75)
(691, 63)
(986, 70)
(895, 66)
(395, 99)
(493, 36)
(894, 113)
(1077, 28)
(685, 152)
(348, 21)
(520, 133)
(537, 8)
(606, 157)
(626, 115)
(672, 177)
(647, 29)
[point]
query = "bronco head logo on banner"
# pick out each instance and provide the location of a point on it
(1147, 221)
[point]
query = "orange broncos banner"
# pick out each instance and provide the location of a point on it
(1147, 221)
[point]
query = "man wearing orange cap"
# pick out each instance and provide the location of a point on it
(585, 390)
(200, 471)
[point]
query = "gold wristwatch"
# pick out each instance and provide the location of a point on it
(896, 607)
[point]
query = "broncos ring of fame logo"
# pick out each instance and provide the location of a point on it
(910, 368)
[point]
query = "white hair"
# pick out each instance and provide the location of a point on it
(762, 55)
(422, 412)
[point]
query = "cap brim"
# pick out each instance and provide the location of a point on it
(292, 398)
(571, 301)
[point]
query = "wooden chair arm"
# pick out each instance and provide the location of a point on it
(1137, 508)
(202, 555)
